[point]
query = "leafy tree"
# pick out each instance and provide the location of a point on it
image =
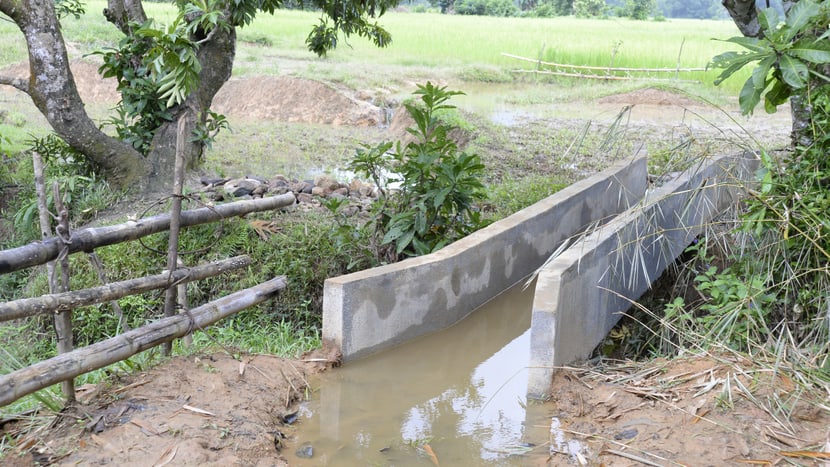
(164, 72)
(697, 9)
(639, 9)
(589, 8)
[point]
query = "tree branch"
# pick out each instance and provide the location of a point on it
(17, 83)
(122, 12)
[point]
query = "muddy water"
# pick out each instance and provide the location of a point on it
(462, 391)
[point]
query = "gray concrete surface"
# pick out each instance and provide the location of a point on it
(371, 310)
(581, 294)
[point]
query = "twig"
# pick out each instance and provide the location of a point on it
(630, 456)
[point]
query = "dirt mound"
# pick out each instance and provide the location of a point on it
(91, 86)
(280, 98)
(290, 99)
(650, 96)
(197, 410)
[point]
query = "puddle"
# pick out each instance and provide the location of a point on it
(462, 391)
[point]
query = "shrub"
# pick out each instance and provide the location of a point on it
(434, 203)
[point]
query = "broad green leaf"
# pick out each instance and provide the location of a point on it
(749, 97)
(404, 241)
(777, 95)
(810, 53)
(751, 43)
(793, 71)
(800, 16)
(769, 20)
(761, 72)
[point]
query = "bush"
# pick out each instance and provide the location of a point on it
(434, 203)
(486, 8)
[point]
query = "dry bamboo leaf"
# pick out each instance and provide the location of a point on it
(198, 411)
(753, 462)
(808, 454)
(167, 456)
(630, 456)
(145, 427)
(241, 369)
(431, 454)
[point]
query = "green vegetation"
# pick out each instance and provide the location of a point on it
(437, 186)
(760, 284)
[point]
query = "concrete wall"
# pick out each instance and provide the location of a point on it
(371, 310)
(581, 294)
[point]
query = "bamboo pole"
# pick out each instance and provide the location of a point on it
(27, 380)
(604, 68)
(47, 303)
(37, 253)
(175, 226)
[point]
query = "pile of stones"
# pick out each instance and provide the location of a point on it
(308, 192)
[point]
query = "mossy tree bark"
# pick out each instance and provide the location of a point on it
(52, 89)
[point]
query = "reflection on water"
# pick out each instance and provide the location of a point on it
(461, 390)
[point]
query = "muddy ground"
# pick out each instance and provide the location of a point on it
(221, 409)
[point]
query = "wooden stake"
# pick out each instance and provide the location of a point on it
(175, 225)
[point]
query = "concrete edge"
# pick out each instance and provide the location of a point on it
(370, 310)
(581, 295)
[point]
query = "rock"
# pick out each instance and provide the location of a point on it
(241, 186)
(305, 198)
(367, 191)
(306, 451)
(308, 185)
(319, 191)
(342, 191)
(279, 190)
(212, 181)
(327, 183)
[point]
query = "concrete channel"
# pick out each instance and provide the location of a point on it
(372, 310)
(636, 231)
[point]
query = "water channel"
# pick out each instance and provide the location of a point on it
(461, 391)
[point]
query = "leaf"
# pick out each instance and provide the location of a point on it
(814, 55)
(167, 456)
(799, 17)
(769, 20)
(749, 97)
(793, 71)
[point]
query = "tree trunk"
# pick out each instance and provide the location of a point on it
(52, 89)
(216, 57)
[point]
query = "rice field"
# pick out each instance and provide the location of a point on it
(433, 40)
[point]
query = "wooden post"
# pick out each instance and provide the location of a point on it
(63, 318)
(175, 222)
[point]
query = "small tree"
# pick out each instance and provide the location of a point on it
(639, 9)
(589, 8)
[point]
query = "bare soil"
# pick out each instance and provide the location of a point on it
(214, 409)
